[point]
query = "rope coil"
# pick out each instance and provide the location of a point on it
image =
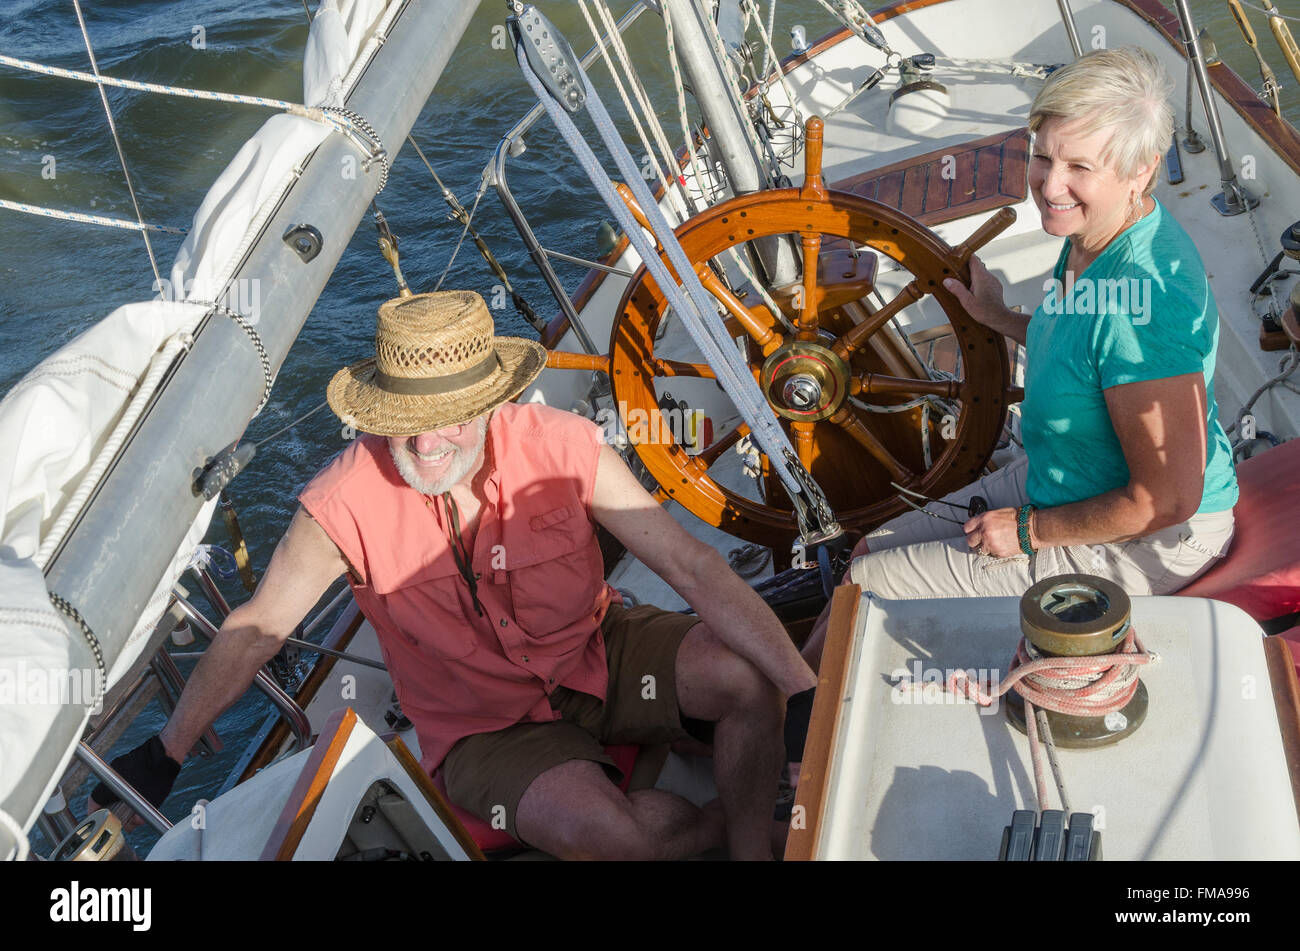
(1088, 686)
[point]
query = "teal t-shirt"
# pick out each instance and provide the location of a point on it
(1141, 311)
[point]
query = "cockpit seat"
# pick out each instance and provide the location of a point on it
(1261, 574)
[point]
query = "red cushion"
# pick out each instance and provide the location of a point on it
(1261, 574)
(491, 840)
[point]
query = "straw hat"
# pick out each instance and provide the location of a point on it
(437, 363)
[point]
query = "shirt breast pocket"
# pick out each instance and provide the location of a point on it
(561, 575)
(427, 610)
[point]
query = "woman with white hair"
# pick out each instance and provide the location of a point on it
(1127, 473)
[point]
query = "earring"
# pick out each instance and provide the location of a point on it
(1136, 214)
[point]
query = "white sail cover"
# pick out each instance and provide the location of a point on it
(62, 423)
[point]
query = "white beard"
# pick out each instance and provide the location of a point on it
(462, 462)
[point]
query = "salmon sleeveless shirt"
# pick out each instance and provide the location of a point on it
(541, 576)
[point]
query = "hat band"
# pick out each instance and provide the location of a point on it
(438, 385)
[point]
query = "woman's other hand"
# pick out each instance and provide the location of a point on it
(983, 300)
(994, 533)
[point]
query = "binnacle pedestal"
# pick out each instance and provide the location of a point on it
(1078, 615)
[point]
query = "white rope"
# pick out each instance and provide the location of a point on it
(102, 80)
(687, 138)
(339, 119)
(87, 219)
(766, 82)
(726, 64)
(158, 366)
(651, 116)
(771, 26)
(21, 846)
(659, 172)
(117, 142)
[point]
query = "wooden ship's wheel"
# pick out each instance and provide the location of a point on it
(828, 365)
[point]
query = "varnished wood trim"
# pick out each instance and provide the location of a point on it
(436, 799)
(992, 173)
(1286, 698)
(307, 791)
(814, 774)
(1277, 132)
(347, 625)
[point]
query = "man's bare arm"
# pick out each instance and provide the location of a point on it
(304, 565)
(699, 574)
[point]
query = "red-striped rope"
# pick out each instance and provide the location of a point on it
(1082, 686)
(1090, 686)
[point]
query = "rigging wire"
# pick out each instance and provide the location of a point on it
(1273, 13)
(458, 213)
(112, 127)
(464, 231)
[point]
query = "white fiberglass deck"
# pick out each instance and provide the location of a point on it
(1203, 778)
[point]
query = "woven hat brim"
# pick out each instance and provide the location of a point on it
(360, 403)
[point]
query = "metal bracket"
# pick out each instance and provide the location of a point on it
(550, 57)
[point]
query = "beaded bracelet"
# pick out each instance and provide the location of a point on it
(1022, 529)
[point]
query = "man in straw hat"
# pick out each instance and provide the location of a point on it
(465, 524)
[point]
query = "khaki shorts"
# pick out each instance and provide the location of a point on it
(916, 556)
(487, 773)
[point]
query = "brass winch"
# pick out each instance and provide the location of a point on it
(1078, 615)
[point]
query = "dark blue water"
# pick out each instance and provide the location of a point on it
(57, 277)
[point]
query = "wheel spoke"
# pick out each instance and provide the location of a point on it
(762, 329)
(853, 339)
(562, 360)
(807, 324)
(803, 443)
(847, 420)
(709, 456)
(876, 384)
(677, 368)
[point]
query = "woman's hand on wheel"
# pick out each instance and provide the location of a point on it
(983, 300)
(994, 533)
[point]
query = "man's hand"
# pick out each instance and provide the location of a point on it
(304, 565)
(148, 768)
(730, 607)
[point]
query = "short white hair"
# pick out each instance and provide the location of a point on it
(1125, 90)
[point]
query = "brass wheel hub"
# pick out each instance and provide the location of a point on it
(805, 381)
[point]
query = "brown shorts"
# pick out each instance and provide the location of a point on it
(487, 773)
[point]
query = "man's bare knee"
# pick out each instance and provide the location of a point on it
(715, 681)
(574, 812)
